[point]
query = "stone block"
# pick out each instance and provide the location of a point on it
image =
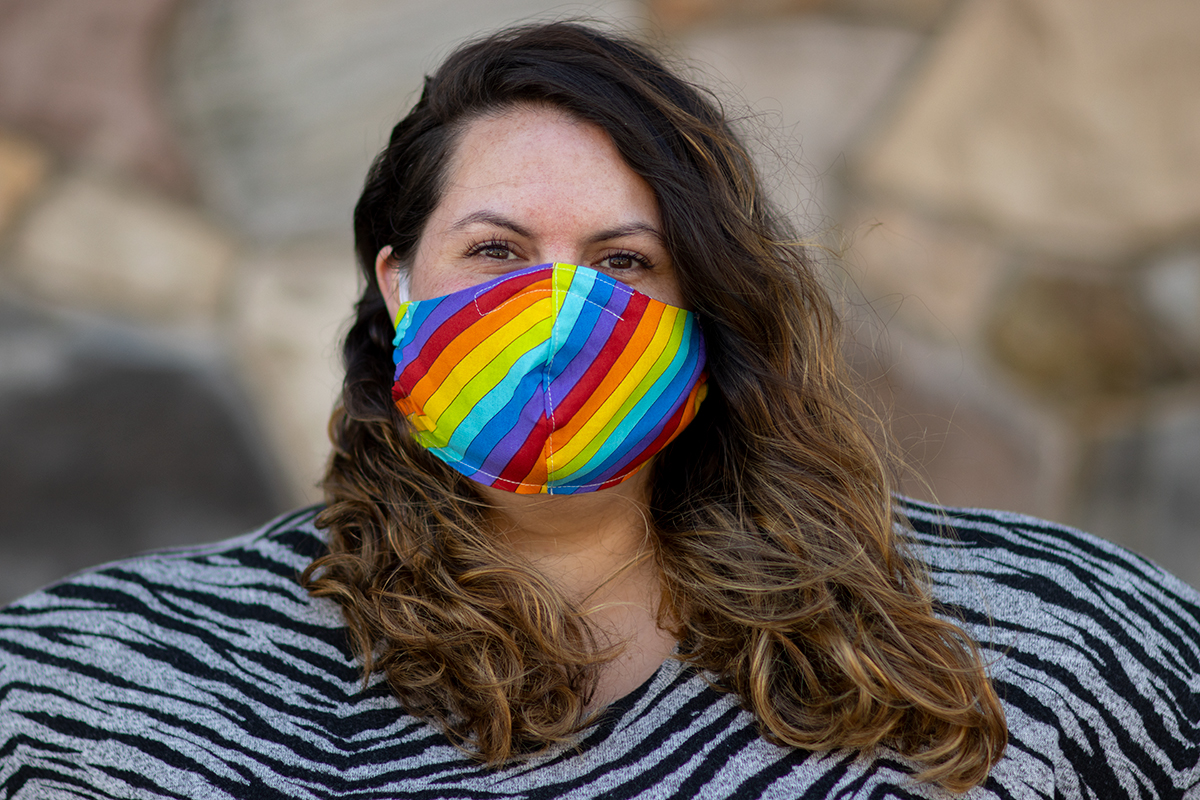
(23, 166)
(83, 77)
(812, 85)
(283, 105)
(674, 15)
(933, 278)
(1170, 286)
(1142, 488)
(922, 15)
(101, 246)
(290, 310)
(1069, 124)
(968, 437)
(113, 443)
(1074, 338)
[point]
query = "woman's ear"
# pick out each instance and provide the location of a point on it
(387, 272)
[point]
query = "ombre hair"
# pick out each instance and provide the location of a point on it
(771, 516)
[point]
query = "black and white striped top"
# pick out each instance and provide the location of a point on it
(209, 673)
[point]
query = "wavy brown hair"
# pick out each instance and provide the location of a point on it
(772, 520)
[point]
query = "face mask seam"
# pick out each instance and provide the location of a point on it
(480, 291)
(547, 375)
(558, 296)
(550, 292)
(449, 460)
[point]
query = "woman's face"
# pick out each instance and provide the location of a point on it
(533, 185)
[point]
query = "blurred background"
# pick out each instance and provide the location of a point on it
(1012, 188)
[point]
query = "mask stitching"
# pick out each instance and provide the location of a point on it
(549, 371)
(554, 292)
(473, 470)
(616, 285)
(617, 478)
(467, 466)
(483, 313)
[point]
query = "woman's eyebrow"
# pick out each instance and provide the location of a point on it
(501, 221)
(633, 229)
(490, 218)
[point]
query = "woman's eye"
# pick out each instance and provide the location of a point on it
(499, 251)
(624, 261)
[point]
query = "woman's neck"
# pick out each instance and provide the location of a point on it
(598, 549)
(578, 540)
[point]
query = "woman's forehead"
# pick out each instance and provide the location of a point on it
(541, 156)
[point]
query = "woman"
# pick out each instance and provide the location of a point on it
(603, 519)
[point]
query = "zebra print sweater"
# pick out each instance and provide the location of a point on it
(209, 673)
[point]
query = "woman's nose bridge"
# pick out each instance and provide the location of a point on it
(562, 254)
(564, 239)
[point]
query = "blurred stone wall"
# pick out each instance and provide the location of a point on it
(1012, 186)
(1014, 189)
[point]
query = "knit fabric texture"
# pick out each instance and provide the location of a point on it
(209, 672)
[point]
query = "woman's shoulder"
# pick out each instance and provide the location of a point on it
(173, 600)
(177, 600)
(171, 664)
(1092, 648)
(267, 559)
(1016, 556)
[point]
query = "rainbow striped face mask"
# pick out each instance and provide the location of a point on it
(554, 379)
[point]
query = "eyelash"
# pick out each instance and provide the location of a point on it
(639, 260)
(490, 244)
